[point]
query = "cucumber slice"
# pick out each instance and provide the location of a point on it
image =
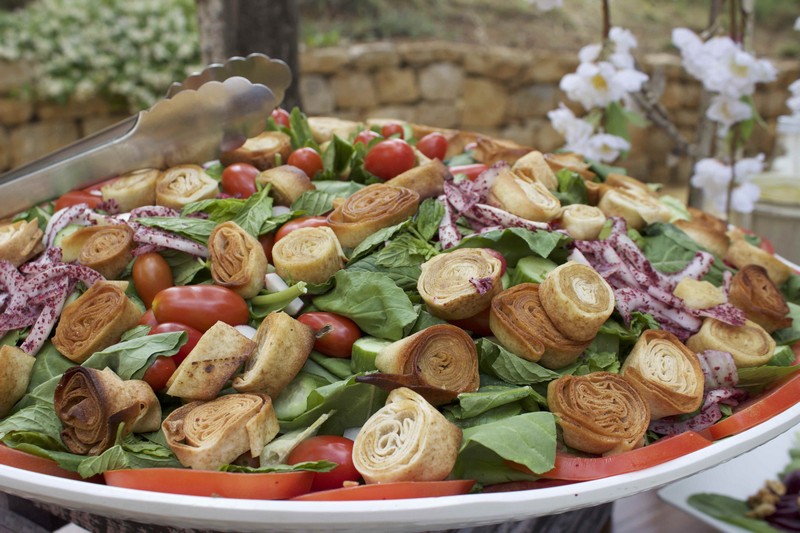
(532, 269)
(293, 400)
(365, 350)
(68, 230)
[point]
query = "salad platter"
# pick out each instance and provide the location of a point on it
(458, 329)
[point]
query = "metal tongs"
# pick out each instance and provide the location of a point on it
(208, 113)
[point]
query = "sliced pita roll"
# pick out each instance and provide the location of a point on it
(637, 208)
(183, 184)
(741, 253)
(750, 345)
(215, 358)
(92, 404)
(533, 167)
(237, 259)
(666, 373)
(106, 249)
(262, 151)
(15, 374)
(713, 240)
(426, 179)
(312, 255)
(523, 197)
(207, 435)
(20, 241)
(132, 190)
(754, 293)
(95, 321)
(406, 440)
(288, 183)
(599, 412)
(324, 128)
(582, 222)
(282, 346)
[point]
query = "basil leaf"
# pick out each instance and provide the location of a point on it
(471, 404)
(336, 158)
(791, 334)
(757, 378)
(669, 250)
(516, 243)
(404, 251)
(300, 131)
(49, 364)
(500, 363)
(256, 211)
(372, 301)
(217, 209)
(314, 203)
(197, 229)
(341, 189)
(728, 510)
(376, 239)
(571, 188)
(428, 217)
(130, 453)
(38, 418)
(129, 359)
(310, 466)
(404, 277)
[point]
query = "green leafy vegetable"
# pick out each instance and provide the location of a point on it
(130, 359)
(129, 452)
(571, 188)
(404, 277)
(728, 510)
(311, 466)
(376, 239)
(500, 363)
(516, 243)
(428, 218)
(300, 131)
(404, 251)
(471, 404)
(791, 334)
(197, 229)
(277, 451)
(372, 301)
(670, 250)
(314, 203)
(757, 378)
(336, 159)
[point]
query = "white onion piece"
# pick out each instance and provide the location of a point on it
(47, 318)
(274, 283)
(63, 218)
(153, 211)
(719, 369)
(351, 433)
(449, 235)
(146, 235)
(247, 331)
(279, 210)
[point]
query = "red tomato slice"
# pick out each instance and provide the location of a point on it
(573, 468)
(200, 306)
(478, 324)
(400, 490)
(760, 409)
(272, 486)
(77, 197)
(470, 171)
(34, 463)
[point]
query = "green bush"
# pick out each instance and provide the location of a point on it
(126, 51)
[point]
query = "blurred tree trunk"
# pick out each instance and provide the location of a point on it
(240, 27)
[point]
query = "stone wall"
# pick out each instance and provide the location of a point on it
(495, 90)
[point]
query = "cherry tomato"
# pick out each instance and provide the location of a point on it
(392, 128)
(240, 179)
(159, 372)
(151, 275)
(433, 145)
(97, 186)
(78, 197)
(338, 450)
(572, 468)
(338, 342)
(297, 223)
(34, 463)
(267, 242)
(478, 324)
(192, 334)
(501, 257)
(760, 409)
(306, 159)
(200, 306)
(398, 490)
(148, 319)
(281, 117)
(271, 486)
(470, 171)
(365, 137)
(390, 158)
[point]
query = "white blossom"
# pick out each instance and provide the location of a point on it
(599, 84)
(602, 147)
(572, 128)
(728, 111)
(748, 168)
(547, 5)
(797, 24)
(714, 177)
(744, 197)
(794, 100)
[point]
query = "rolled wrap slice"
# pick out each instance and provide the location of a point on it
(713, 240)
(406, 440)
(106, 249)
(621, 181)
(577, 299)
(582, 222)
(638, 209)
(132, 190)
(372, 208)
(750, 345)
(427, 179)
(282, 346)
(523, 197)
(708, 220)
(754, 293)
(262, 151)
(92, 404)
(288, 183)
(570, 161)
(207, 435)
(95, 321)
(442, 356)
(533, 167)
(519, 321)
(184, 184)
(19, 241)
(237, 259)
(741, 253)
(599, 412)
(215, 358)
(308, 254)
(461, 283)
(666, 373)
(15, 374)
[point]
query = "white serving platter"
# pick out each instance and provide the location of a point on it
(390, 515)
(739, 478)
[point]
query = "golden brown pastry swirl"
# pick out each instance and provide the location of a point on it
(521, 324)
(750, 345)
(666, 373)
(754, 293)
(237, 259)
(93, 403)
(184, 184)
(637, 208)
(406, 440)
(95, 321)
(372, 208)
(577, 299)
(106, 249)
(523, 197)
(461, 283)
(19, 241)
(207, 435)
(132, 190)
(308, 254)
(741, 253)
(599, 413)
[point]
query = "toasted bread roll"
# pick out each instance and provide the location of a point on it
(184, 184)
(582, 222)
(522, 197)
(106, 249)
(741, 253)
(132, 190)
(750, 345)
(215, 358)
(707, 236)
(20, 241)
(533, 167)
(237, 259)
(699, 294)
(288, 183)
(754, 293)
(264, 151)
(312, 255)
(324, 128)
(638, 209)
(427, 180)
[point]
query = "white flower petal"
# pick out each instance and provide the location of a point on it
(744, 197)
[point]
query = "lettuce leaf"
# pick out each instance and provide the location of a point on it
(500, 363)
(472, 404)
(670, 250)
(571, 188)
(130, 359)
(428, 217)
(516, 243)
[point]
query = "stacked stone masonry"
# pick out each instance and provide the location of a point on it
(494, 90)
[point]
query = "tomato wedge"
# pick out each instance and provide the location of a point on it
(573, 468)
(400, 490)
(271, 486)
(34, 463)
(763, 407)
